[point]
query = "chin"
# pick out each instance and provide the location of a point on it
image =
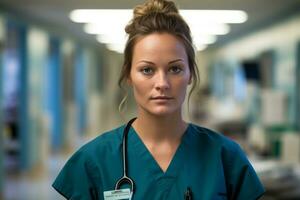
(162, 112)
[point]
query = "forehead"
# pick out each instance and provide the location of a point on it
(159, 47)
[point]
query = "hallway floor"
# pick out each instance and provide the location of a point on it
(21, 187)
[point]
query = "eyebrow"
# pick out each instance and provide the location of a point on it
(173, 61)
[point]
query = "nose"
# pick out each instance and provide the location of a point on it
(162, 82)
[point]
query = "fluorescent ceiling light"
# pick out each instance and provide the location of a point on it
(201, 29)
(105, 26)
(216, 16)
(102, 29)
(100, 15)
(112, 38)
(211, 29)
(204, 39)
(109, 24)
(200, 47)
(116, 47)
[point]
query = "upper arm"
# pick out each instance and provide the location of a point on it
(76, 180)
(241, 179)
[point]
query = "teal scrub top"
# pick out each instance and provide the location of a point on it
(211, 165)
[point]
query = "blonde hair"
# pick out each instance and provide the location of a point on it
(157, 16)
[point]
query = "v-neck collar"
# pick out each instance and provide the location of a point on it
(145, 155)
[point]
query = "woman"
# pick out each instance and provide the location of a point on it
(166, 157)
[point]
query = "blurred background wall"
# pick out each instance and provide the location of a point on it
(1, 114)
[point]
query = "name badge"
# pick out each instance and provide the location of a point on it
(117, 194)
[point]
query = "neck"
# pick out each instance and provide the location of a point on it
(162, 128)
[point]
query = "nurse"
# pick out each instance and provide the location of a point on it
(166, 157)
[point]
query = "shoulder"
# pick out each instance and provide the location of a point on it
(216, 144)
(91, 153)
(214, 138)
(82, 166)
(105, 142)
(240, 177)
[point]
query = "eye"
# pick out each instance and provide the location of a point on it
(147, 70)
(175, 69)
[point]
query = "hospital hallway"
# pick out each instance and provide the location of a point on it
(34, 186)
(60, 64)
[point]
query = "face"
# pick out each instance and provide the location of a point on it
(159, 74)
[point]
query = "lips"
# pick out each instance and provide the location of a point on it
(161, 98)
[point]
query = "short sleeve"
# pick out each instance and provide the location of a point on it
(75, 181)
(241, 179)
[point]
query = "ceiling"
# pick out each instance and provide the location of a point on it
(53, 14)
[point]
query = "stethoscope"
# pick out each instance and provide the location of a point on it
(125, 178)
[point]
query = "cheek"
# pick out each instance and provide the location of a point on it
(139, 88)
(184, 82)
(181, 87)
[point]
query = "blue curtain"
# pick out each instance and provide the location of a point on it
(53, 96)
(80, 89)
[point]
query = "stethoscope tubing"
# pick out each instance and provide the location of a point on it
(125, 178)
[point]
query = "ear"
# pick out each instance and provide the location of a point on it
(129, 81)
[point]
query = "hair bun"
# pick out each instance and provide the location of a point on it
(155, 6)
